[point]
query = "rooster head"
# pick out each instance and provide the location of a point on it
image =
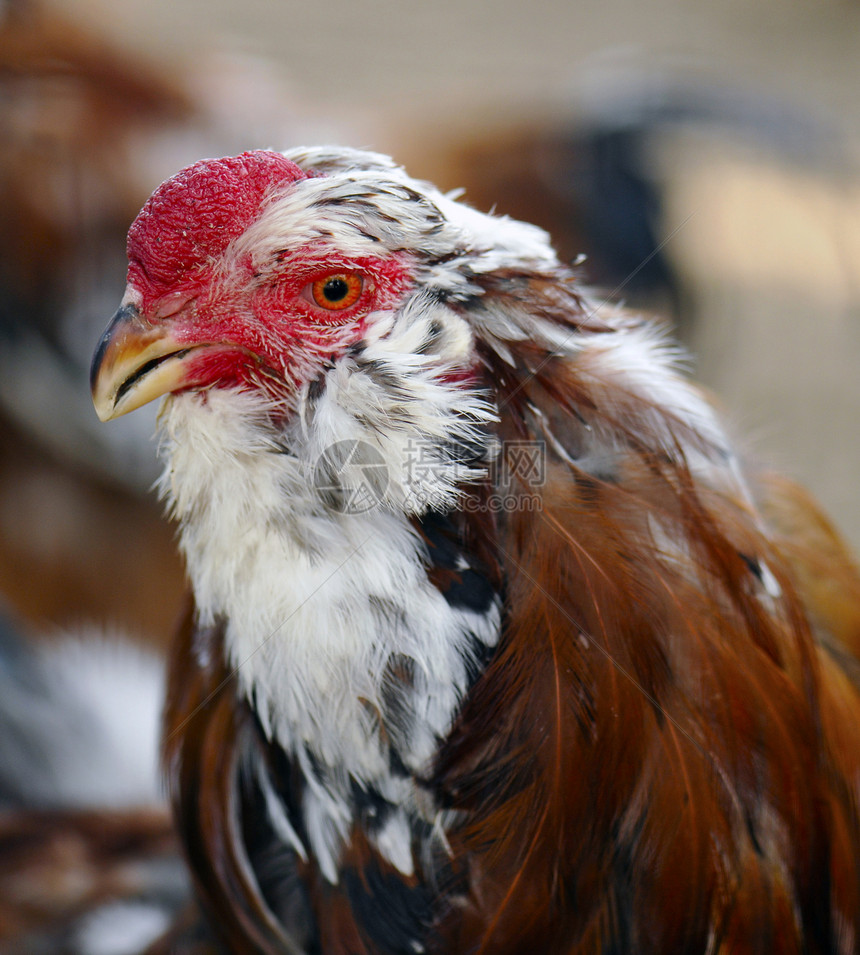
(260, 271)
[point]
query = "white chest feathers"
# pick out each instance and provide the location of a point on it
(345, 649)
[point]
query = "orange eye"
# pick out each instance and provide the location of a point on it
(337, 291)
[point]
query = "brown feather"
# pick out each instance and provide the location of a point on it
(659, 758)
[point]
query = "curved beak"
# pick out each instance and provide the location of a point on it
(134, 363)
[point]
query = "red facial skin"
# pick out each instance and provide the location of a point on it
(275, 335)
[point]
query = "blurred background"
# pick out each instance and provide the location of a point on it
(704, 156)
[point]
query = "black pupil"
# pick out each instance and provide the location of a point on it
(335, 290)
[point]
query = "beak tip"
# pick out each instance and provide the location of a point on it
(104, 410)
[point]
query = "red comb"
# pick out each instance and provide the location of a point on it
(193, 216)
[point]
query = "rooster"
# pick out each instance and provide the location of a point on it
(497, 644)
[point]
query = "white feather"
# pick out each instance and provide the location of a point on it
(317, 603)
